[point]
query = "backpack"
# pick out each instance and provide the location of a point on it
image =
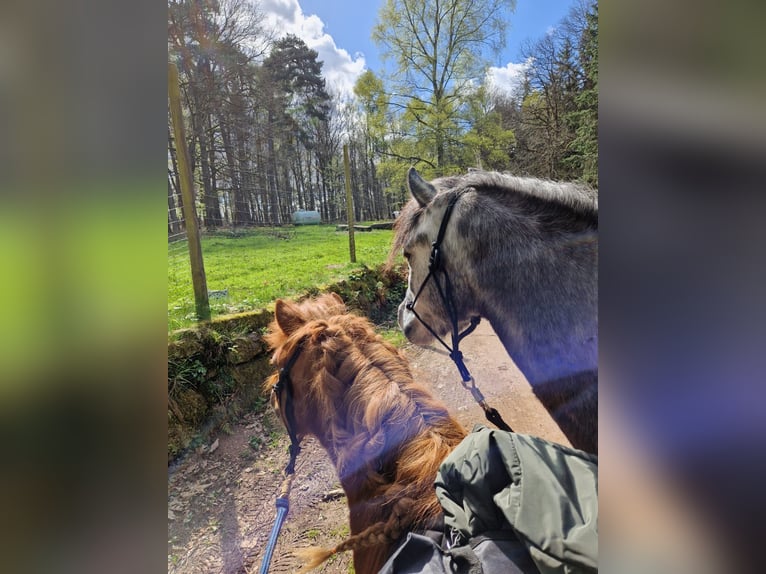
(513, 504)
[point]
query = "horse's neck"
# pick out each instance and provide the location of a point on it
(548, 321)
(371, 494)
(542, 359)
(365, 510)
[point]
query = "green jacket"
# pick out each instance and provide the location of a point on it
(546, 493)
(512, 503)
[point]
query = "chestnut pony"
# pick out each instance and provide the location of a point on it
(385, 433)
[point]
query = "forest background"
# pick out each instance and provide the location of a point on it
(266, 134)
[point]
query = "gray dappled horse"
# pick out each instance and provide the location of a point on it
(522, 253)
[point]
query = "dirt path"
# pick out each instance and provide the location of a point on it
(221, 498)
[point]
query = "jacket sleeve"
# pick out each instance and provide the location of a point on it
(546, 493)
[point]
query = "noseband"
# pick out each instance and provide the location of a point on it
(435, 266)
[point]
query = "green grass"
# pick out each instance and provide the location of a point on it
(393, 334)
(313, 534)
(259, 266)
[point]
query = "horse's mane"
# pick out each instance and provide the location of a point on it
(577, 200)
(575, 196)
(386, 433)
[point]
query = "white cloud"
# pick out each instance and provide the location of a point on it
(340, 69)
(508, 79)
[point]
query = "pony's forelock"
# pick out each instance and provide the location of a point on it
(403, 228)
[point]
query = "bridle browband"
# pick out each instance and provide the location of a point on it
(436, 265)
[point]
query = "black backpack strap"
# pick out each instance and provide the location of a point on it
(501, 552)
(465, 560)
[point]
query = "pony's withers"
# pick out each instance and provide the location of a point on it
(385, 433)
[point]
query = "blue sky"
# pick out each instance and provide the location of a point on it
(340, 31)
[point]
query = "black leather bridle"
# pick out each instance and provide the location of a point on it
(436, 266)
(285, 385)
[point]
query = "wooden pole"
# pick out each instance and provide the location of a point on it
(187, 191)
(349, 206)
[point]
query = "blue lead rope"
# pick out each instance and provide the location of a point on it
(283, 505)
(284, 384)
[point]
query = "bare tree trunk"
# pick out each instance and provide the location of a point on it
(273, 185)
(235, 191)
(296, 170)
(312, 188)
(244, 165)
(174, 224)
(212, 202)
(261, 193)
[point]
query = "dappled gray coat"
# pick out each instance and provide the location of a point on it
(512, 504)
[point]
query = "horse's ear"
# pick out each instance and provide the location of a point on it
(337, 298)
(421, 190)
(288, 316)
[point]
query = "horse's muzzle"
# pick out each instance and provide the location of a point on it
(413, 329)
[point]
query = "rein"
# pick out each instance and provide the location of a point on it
(436, 265)
(284, 384)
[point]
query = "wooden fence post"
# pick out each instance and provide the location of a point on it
(349, 206)
(187, 191)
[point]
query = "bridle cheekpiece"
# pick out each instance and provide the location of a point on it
(436, 266)
(285, 385)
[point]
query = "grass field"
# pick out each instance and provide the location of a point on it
(258, 266)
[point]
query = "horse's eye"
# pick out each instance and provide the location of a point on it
(406, 254)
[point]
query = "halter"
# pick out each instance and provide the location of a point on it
(435, 265)
(285, 384)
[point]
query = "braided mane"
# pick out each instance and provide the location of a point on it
(385, 433)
